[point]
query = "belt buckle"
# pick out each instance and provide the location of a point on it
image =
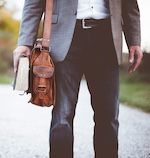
(84, 26)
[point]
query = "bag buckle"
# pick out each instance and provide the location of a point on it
(38, 44)
(84, 26)
(42, 88)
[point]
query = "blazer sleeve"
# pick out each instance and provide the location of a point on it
(31, 16)
(131, 22)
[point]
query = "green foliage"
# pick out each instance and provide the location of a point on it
(5, 79)
(9, 28)
(8, 37)
(135, 94)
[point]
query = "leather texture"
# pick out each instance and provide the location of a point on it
(47, 23)
(42, 78)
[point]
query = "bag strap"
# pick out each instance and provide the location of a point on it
(47, 23)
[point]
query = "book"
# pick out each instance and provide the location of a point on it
(21, 80)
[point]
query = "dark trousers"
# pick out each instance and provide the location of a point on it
(91, 53)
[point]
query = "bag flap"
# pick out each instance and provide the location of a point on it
(43, 71)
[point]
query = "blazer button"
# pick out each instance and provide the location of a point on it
(75, 13)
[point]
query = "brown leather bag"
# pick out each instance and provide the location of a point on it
(42, 78)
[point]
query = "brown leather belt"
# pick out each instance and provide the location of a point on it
(88, 23)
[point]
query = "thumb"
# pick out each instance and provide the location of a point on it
(18, 52)
(16, 60)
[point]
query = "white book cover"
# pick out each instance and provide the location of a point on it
(21, 81)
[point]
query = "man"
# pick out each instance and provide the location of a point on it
(86, 38)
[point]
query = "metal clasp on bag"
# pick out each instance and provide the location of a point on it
(42, 88)
(38, 44)
(84, 26)
(46, 49)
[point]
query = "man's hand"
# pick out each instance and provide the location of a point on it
(18, 52)
(135, 57)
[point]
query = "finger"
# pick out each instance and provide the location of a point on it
(135, 65)
(17, 55)
(16, 60)
(18, 52)
(131, 67)
(131, 56)
(137, 62)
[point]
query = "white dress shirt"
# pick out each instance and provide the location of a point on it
(96, 9)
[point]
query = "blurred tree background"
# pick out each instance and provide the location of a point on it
(8, 36)
(9, 28)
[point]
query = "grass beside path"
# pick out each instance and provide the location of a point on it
(5, 79)
(135, 94)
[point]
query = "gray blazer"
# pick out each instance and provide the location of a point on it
(125, 17)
